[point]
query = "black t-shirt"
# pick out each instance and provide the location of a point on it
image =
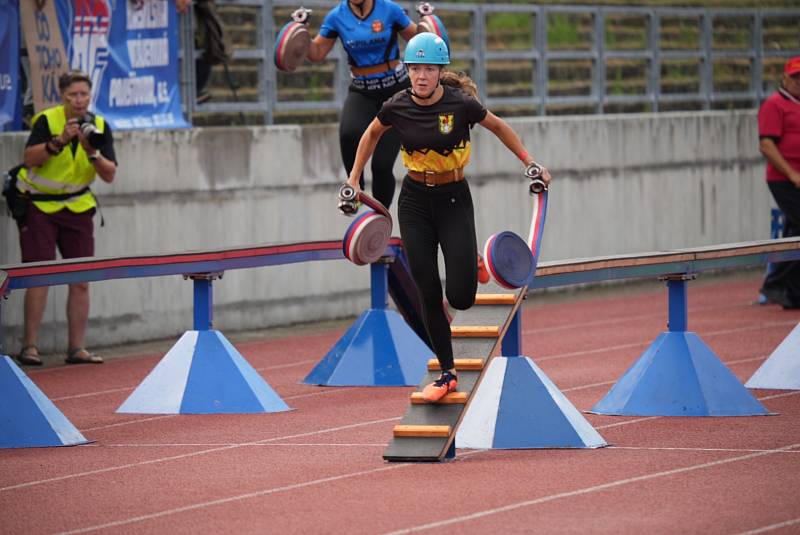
(434, 138)
(40, 133)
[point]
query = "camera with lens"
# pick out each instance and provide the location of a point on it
(90, 131)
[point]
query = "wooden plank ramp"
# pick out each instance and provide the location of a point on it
(427, 430)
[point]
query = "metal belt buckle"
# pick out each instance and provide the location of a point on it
(425, 179)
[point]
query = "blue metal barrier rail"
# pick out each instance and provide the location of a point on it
(548, 274)
(662, 264)
(205, 266)
(202, 267)
(185, 263)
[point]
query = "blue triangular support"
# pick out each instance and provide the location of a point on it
(517, 406)
(679, 375)
(28, 419)
(379, 349)
(203, 374)
(781, 371)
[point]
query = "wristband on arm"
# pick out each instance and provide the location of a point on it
(53, 146)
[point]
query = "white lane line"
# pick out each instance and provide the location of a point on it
(646, 418)
(591, 351)
(355, 474)
(644, 344)
(590, 385)
(245, 444)
(781, 395)
(734, 450)
(128, 422)
(606, 383)
(141, 420)
(96, 393)
(626, 319)
(588, 490)
(626, 422)
(326, 392)
(192, 454)
(129, 388)
(249, 495)
(230, 499)
(606, 426)
(771, 527)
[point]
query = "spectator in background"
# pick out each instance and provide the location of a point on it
(209, 37)
(66, 149)
(779, 142)
(368, 30)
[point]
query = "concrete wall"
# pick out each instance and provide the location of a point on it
(623, 184)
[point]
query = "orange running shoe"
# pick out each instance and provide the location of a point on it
(483, 273)
(447, 382)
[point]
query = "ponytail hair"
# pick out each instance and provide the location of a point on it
(461, 81)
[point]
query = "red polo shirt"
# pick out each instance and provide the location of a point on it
(779, 119)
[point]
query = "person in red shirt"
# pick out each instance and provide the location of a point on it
(779, 142)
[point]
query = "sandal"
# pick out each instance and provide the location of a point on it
(29, 356)
(80, 355)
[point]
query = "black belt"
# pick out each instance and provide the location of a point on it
(53, 196)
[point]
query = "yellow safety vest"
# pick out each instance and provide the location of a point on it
(63, 172)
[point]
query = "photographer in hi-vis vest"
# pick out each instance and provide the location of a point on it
(67, 148)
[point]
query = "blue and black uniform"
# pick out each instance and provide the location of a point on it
(436, 142)
(371, 46)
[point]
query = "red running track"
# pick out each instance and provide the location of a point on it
(318, 468)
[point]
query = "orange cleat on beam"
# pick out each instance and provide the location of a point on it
(495, 299)
(434, 431)
(475, 331)
(461, 365)
(453, 398)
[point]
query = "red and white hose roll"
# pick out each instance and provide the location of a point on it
(367, 237)
(510, 260)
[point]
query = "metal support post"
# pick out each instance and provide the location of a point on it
(512, 341)
(379, 283)
(3, 297)
(2, 345)
(203, 299)
(678, 303)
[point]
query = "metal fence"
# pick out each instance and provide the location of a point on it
(540, 55)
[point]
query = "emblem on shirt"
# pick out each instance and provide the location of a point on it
(445, 123)
(377, 26)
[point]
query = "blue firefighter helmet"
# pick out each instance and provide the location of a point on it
(427, 48)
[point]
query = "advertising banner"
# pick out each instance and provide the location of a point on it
(10, 105)
(129, 48)
(46, 51)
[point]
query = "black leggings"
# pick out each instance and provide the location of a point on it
(431, 217)
(786, 275)
(360, 108)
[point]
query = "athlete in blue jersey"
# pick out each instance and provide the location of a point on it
(368, 31)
